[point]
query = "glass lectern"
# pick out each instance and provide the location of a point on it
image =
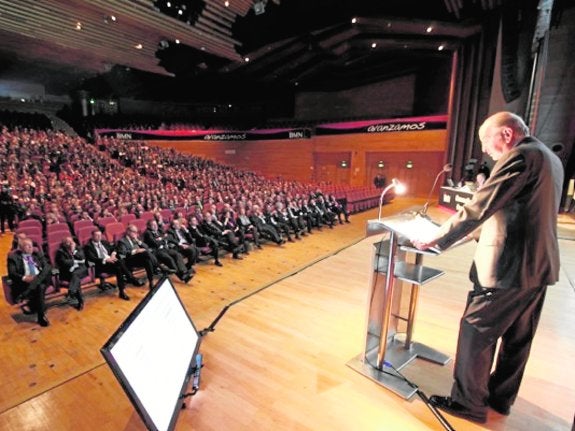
(398, 272)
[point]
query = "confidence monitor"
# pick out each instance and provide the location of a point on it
(152, 354)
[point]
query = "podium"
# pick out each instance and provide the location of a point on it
(398, 273)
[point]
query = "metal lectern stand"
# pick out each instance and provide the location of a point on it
(397, 273)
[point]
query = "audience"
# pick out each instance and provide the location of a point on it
(56, 178)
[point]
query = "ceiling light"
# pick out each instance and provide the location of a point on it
(429, 29)
(440, 48)
(177, 41)
(247, 59)
(169, 4)
(353, 20)
(78, 25)
(138, 46)
(260, 6)
(373, 45)
(226, 3)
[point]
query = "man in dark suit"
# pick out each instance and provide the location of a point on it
(517, 257)
(30, 273)
(106, 261)
(71, 263)
(166, 252)
(203, 240)
(264, 228)
(213, 227)
(135, 254)
(180, 238)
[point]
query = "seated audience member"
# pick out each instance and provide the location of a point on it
(166, 253)
(203, 240)
(184, 243)
(312, 217)
(337, 208)
(228, 221)
(264, 228)
(30, 273)
(295, 214)
(277, 220)
(106, 261)
(319, 208)
(214, 228)
(71, 263)
(247, 227)
(135, 254)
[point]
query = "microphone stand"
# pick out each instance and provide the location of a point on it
(423, 212)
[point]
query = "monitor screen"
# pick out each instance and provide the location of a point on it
(152, 354)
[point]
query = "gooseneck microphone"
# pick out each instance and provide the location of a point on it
(394, 184)
(446, 168)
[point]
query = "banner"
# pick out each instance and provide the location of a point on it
(205, 135)
(413, 124)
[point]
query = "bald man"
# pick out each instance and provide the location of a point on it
(516, 258)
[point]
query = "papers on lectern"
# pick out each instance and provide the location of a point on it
(413, 227)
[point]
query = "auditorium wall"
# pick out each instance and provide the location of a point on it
(385, 99)
(319, 158)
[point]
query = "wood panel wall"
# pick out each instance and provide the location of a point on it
(319, 158)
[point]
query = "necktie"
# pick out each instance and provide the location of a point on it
(103, 252)
(31, 265)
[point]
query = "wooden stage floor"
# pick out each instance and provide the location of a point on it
(277, 360)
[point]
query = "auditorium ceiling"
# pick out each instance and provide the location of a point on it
(310, 44)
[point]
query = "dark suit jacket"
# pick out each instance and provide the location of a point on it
(174, 239)
(200, 238)
(155, 240)
(92, 254)
(16, 270)
(211, 229)
(125, 247)
(65, 261)
(517, 207)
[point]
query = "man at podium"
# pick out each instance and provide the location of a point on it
(517, 257)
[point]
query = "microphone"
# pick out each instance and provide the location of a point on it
(446, 168)
(395, 184)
